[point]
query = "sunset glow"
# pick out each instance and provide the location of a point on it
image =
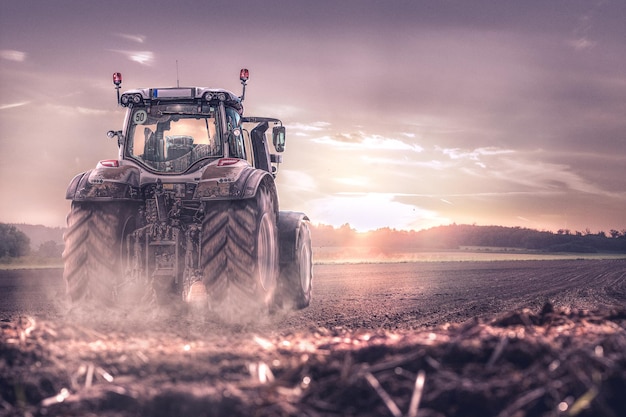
(406, 116)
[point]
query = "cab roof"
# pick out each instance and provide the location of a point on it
(148, 96)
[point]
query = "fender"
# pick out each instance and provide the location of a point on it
(71, 189)
(105, 183)
(288, 227)
(237, 180)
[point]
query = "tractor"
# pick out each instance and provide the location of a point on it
(189, 210)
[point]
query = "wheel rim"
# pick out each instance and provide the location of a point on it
(266, 253)
(305, 268)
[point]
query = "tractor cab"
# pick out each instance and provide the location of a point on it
(178, 130)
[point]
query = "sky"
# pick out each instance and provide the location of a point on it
(399, 114)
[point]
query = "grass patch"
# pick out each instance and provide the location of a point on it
(365, 254)
(30, 262)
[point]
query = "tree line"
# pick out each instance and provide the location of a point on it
(452, 237)
(15, 243)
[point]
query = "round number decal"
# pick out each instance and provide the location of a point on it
(140, 117)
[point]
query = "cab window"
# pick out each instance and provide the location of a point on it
(171, 143)
(236, 145)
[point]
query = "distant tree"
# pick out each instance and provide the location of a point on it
(614, 233)
(50, 249)
(13, 243)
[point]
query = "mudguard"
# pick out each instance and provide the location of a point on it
(235, 181)
(105, 183)
(288, 226)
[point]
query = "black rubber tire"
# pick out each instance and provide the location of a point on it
(93, 247)
(240, 252)
(296, 277)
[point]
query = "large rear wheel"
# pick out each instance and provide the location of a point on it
(240, 254)
(93, 250)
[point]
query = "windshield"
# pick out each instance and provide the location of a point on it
(170, 139)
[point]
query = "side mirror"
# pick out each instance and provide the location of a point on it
(278, 137)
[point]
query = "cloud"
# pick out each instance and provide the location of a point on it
(280, 109)
(581, 40)
(308, 127)
(91, 112)
(363, 141)
(141, 57)
(296, 180)
(134, 38)
(13, 105)
(372, 211)
(358, 181)
(457, 153)
(432, 164)
(547, 176)
(13, 55)
(493, 168)
(475, 156)
(582, 44)
(76, 110)
(456, 158)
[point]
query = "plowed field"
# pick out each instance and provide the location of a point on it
(509, 338)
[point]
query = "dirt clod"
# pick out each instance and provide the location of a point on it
(519, 363)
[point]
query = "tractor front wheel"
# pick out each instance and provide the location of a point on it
(296, 276)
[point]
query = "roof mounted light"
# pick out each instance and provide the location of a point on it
(212, 95)
(130, 99)
(117, 79)
(244, 74)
